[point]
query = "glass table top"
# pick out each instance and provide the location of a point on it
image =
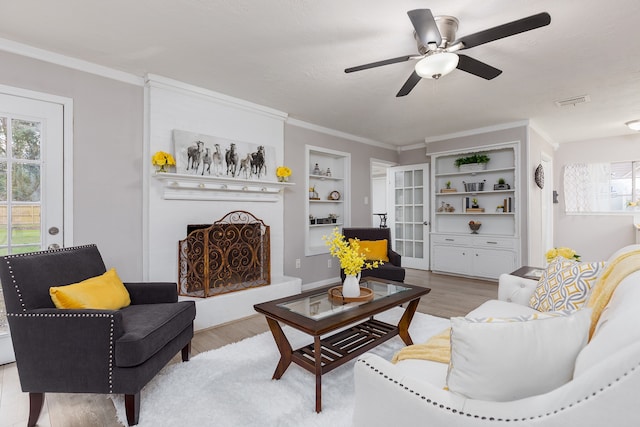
(319, 305)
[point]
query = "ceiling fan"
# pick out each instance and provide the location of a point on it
(437, 46)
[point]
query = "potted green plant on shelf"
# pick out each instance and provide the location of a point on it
(475, 161)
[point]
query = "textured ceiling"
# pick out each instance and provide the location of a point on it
(290, 55)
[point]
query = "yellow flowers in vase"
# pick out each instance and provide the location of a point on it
(352, 258)
(564, 252)
(283, 173)
(162, 160)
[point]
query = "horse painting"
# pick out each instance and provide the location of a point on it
(206, 161)
(194, 154)
(245, 166)
(231, 157)
(217, 161)
(258, 165)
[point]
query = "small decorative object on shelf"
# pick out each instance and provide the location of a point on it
(500, 209)
(162, 161)
(563, 252)
(333, 217)
(316, 170)
(448, 188)
(283, 173)
(501, 185)
(474, 203)
(474, 226)
(312, 220)
(328, 172)
(334, 195)
(352, 261)
(313, 194)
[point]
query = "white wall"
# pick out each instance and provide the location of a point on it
(173, 105)
(594, 237)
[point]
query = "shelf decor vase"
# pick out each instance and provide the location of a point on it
(351, 286)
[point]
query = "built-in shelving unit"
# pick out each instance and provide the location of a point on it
(326, 188)
(195, 187)
(495, 249)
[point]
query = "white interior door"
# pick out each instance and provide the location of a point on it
(409, 213)
(31, 183)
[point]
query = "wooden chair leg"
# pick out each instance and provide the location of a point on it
(132, 407)
(36, 402)
(186, 352)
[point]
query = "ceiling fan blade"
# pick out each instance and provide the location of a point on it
(478, 68)
(411, 82)
(425, 26)
(505, 30)
(379, 63)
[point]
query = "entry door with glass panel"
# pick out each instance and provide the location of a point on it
(31, 184)
(409, 213)
(31, 179)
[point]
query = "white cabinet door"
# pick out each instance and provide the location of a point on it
(491, 263)
(451, 259)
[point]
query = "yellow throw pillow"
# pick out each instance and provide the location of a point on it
(105, 292)
(377, 249)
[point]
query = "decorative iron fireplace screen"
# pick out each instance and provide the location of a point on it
(230, 255)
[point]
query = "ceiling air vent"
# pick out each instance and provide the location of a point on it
(573, 101)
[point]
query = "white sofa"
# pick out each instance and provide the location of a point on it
(604, 391)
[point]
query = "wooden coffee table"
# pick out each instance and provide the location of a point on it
(314, 313)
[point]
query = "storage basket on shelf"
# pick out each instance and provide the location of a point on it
(474, 186)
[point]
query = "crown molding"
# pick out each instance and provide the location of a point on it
(417, 146)
(477, 131)
(339, 134)
(69, 62)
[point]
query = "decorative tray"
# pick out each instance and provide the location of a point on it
(335, 294)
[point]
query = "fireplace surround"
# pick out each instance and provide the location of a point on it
(230, 255)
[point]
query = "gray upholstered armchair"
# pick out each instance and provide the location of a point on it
(89, 351)
(391, 270)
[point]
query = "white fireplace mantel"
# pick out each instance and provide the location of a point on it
(194, 187)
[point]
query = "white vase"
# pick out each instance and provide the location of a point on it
(351, 286)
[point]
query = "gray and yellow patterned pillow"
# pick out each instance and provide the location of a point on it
(565, 285)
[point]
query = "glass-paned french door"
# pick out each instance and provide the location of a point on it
(31, 182)
(409, 213)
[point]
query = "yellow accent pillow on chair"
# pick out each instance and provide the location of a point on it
(105, 292)
(377, 249)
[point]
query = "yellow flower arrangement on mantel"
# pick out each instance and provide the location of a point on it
(564, 252)
(283, 173)
(162, 160)
(352, 258)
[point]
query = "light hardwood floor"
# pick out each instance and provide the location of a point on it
(450, 296)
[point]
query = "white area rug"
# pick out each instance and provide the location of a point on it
(232, 386)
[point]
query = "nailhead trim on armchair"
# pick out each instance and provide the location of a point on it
(455, 411)
(111, 343)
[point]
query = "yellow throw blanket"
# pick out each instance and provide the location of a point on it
(438, 347)
(608, 281)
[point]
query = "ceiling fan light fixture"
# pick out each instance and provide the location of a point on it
(633, 124)
(437, 65)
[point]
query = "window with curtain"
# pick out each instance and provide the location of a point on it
(602, 187)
